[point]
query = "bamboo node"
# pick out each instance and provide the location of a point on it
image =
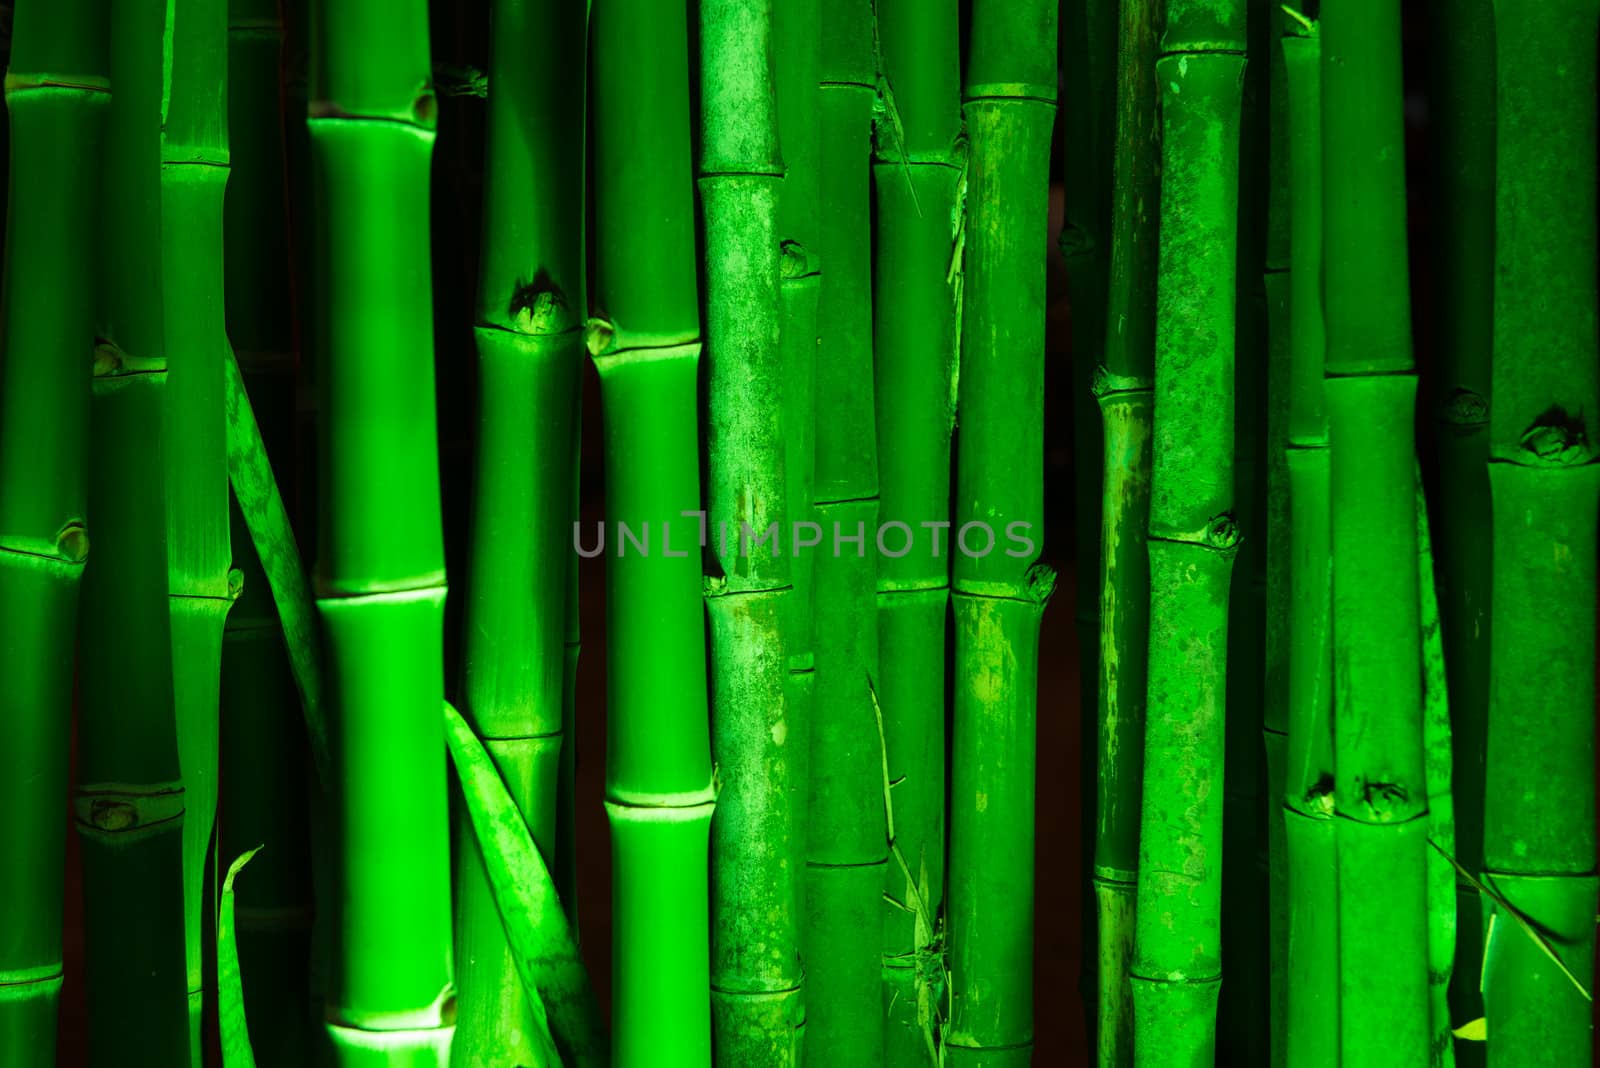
(72, 542)
(1556, 439)
(1222, 532)
(1385, 801)
(540, 306)
(1463, 408)
(796, 262)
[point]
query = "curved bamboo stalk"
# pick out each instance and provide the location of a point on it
(56, 92)
(1123, 387)
(646, 345)
(756, 1002)
(1379, 794)
(1176, 968)
(380, 563)
(1544, 478)
(999, 595)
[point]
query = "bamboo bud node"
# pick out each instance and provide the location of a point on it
(1556, 440)
(104, 809)
(1463, 411)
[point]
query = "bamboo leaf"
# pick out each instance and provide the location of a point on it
(1473, 1030)
(250, 473)
(236, 1051)
(541, 939)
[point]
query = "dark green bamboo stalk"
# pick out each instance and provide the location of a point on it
(756, 1002)
(916, 185)
(129, 803)
(194, 178)
(56, 91)
(846, 832)
(647, 348)
(1462, 112)
(529, 332)
(1311, 1011)
(1379, 786)
(999, 591)
(380, 563)
(1123, 387)
(1539, 795)
(264, 799)
(1176, 968)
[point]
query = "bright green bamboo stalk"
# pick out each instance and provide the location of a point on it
(129, 803)
(1539, 809)
(999, 591)
(1176, 968)
(916, 186)
(846, 831)
(1462, 116)
(1276, 284)
(56, 92)
(1311, 1012)
(528, 327)
(756, 1001)
(1123, 387)
(647, 347)
(1379, 786)
(194, 178)
(380, 563)
(1089, 65)
(264, 798)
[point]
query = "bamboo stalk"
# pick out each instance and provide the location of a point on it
(756, 1001)
(1463, 270)
(1176, 968)
(1379, 787)
(528, 328)
(264, 798)
(56, 92)
(999, 595)
(647, 347)
(846, 830)
(129, 799)
(917, 177)
(1539, 809)
(1123, 388)
(380, 564)
(1311, 1012)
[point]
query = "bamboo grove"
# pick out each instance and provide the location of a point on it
(582, 532)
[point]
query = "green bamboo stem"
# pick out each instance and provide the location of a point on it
(264, 798)
(194, 177)
(528, 327)
(1123, 387)
(917, 175)
(647, 348)
(999, 595)
(129, 799)
(846, 831)
(1463, 272)
(1090, 68)
(1539, 809)
(56, 92)
(1379, 787)
(1311, 1011)
(1441, 804)
(756, 1002)
(1176, 967)
(380, 563)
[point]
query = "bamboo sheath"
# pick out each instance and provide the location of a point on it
(1463, 267)
(646, 343)
(917, 174)
(1379, 787)
(1311, 1010)
(129, 800)
(1539, 794)
(846, 830)
(380, 574)
(1009, 107)
(56, 92)
(264, 799)
(1122, 386)
(528, 327)
(1176, 967)
(756, 1000)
